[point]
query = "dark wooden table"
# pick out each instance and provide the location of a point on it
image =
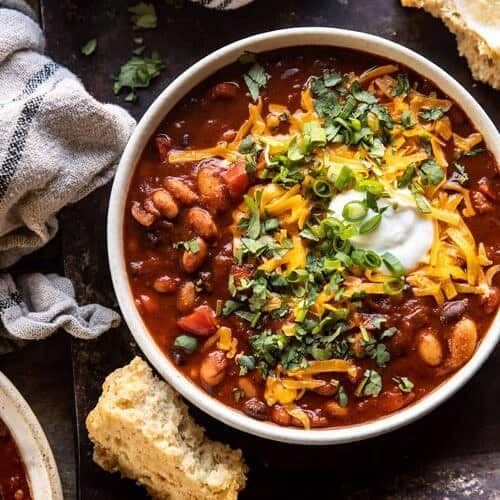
(452, 453)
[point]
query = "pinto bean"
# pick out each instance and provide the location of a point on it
(180, 191)
(164, 202)
(149, 303)
(166, 284)
(280, 416)
(255, 408)
(213, 369)
(202, 222)
(429, 348)
(213, 192)
(143, 217)
(333, 409)
(453, 310)
(329, 389)
(192, 261)
(247, 386)
(462, 343)
(491, 300)
(481, 204)
(225, 90)
(186, 297)
(150, 207)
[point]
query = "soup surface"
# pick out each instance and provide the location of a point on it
(312, 236)
(13, 479)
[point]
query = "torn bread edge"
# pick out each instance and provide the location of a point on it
(483, 60)
(142, 429)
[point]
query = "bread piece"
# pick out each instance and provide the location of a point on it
(476, 24)
(141, 428)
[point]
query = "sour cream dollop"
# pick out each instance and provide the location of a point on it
(402, 231)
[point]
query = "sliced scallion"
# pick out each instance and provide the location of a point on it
(322, 188)
(354, 211)
(394, 286)
(371, 224)
(372, 260)
(392, 263)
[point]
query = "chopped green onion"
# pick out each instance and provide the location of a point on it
(322, 188)
(372, 260)
(186, 343)
(394, 286)
(297, 276)
(371, 224)
(344, 178)
(354, 211)
(392, 263)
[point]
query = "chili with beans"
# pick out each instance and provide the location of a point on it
(13, 479)
(266, 297)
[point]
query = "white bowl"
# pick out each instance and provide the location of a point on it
(145, 129)
(33, 446)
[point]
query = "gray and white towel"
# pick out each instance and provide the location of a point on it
(57, 144)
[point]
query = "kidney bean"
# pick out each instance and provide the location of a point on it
(192, 261)
(225, 90)
(180, 191)
(484, 185)
(186, 297)
(165, 203)
(163, 145)
(453, 310)
(202, 222)
(333, 409)
(255, 408)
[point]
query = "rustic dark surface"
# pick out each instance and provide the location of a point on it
(453, 453)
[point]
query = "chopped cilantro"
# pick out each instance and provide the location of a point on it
(362, 95)
(403, 86)
(138, 73)
(404, 384)
(253, 230)
(431, 172)
(246, 363)
(431, 114)
(371, 385)
(407, 120)
(459, 175)
(256, 79)
(407, 176)
(230, 306)
(342, 397)
(143, 16)
(474, 152)
(89, 47)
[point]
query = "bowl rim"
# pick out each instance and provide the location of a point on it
(31, 441)
(168, 98)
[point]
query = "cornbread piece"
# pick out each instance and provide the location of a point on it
(141, 428)
(476, 25)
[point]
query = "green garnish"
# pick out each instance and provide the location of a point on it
(255, 79)
(362, 95)
(143, 16)
(393, 265)
(394, 286)
(191, 245)
(403, 86)
(138, 73)
(246, 363)
(186, 343)
(354, 211)
(431, 172)
(407, 121)
(404, 384)
(371, 385)
(89, 47)
(431, 114)
(344, 178)
(371, 224)
(459, 175)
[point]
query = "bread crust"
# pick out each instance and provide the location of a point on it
(482, 55)
(142, 429)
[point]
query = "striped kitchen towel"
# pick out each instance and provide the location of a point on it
(57, 144)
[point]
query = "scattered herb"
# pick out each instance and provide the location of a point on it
(143, 16)
(403, 86)
(431, 114)
(255, 79)
(89, 47)
(404, 384)
(186, 343)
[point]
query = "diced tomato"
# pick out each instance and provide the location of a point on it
(200, 322)
(163, 146)
(236, 179)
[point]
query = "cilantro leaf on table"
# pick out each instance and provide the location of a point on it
(255, 79)
(143, 16)
(89, 47)
(138, 73)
